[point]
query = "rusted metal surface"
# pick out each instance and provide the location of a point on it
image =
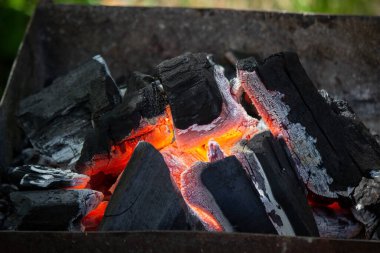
(340, 53)
(174, 242)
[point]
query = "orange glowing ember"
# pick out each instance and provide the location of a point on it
(92, 220)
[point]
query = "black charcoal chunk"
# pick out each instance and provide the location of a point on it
(192, 91)
(116, 126)
(284, 182)
(145, 197)
(36, 177)
(56, 119)
(236, 196)
(138, 81)
(51, 210)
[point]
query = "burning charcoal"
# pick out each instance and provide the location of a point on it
(192, 91)
(201, 202)
(145, 198)
(214, 152)
(236, 197)
(230, 126)
(336, 223)
(56, 119)
(331, 152)
(51, 210)
(41, 177)
(141, 116)
(274, 174)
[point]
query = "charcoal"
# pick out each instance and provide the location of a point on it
(138, 81)
(127, 121)
(56, 119)
(366, 197)
(34, 177)
(236, 196)
(147, 103)
(331, 152)
(145, 197)
(191, 88)
(283, 181)
(51, 210)
(334, 223)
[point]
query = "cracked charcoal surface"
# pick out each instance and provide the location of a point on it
(192, 91)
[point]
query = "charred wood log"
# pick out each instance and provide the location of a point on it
(275, 175)
(236, 196)
(191, 88)
(56, 119)
(34, 177)
(325, 149)
(145, 198)
(51, 210)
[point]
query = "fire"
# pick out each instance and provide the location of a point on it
(92, 220)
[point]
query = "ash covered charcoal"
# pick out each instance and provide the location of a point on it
(366, 197)
(57, 118)
(236, 197)
(42, 177)
(272, 171)
(326, 150)
(145, 197)
(191, 88)
(336, 223)
(51, 210)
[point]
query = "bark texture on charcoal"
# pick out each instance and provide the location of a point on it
(325, 145)
(283, 182)
(191, 88)
(145, 198)
(56, 119)
(36, 177)
(236, 196)
(51, 210)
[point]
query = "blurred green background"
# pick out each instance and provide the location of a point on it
(14, 15)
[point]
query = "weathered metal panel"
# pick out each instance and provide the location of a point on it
(179, 242)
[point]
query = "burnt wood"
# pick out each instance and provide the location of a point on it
(34, 177)
(145, 197)
(56, 119)
(116, 126)
(237, 198)
(337, 143)
(51, 210)
(192, 91)
(285, 184)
